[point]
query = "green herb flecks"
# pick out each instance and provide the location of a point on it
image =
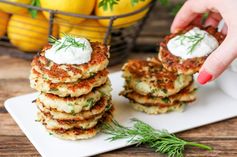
(194, 39)
(33, 12)
(165, 100)
(90, 102)
(91, 74)
(53, 89)
(164, 91)
(73, 112)
(45, 77)
(102, 93)
(108, 107)
(153, 91)
(69, 41)
(69, 104)
(142, 133)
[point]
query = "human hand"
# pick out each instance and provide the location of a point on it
(218, 60)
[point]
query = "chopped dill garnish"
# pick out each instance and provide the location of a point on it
(69, 41)
(194, 39)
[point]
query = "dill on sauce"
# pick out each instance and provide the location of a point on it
(194, 39)
(69, 41)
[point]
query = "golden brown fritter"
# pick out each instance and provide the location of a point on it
(79, 133)
(149, 77)
(184, 66)
(74, 89)
(50, 123)
(78, 104)
(185, 95)
(70, 72)
(158, 109)
(99, 108)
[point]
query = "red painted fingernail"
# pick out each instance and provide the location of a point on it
(204, 77)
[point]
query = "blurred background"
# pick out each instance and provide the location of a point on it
(126, 25)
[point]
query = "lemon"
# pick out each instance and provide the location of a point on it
(123, 7)
(3, 23)
(29, 34)
(14, 9)
(72, 6)
(90, 29)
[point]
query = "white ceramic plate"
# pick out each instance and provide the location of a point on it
(211, 106)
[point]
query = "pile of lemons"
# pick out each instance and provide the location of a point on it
(31, 34)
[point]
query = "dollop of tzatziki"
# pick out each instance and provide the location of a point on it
(194, 43)
(70, 50)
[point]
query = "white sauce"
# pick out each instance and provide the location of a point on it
(71, 54)
(179, 48)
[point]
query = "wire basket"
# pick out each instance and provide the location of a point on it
(121, 38)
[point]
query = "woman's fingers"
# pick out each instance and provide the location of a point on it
(190, 10)
(213, 19)
(219, 60)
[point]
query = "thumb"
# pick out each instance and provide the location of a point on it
(219, 60)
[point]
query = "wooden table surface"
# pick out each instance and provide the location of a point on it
(14, 81)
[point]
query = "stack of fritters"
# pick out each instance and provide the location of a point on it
(152, 89)
(74, 99)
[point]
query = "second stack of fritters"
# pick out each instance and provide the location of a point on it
(152, 89)
(165, 83)
(74, 99)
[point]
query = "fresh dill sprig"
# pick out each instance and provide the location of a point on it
(142, 133)
(66, 43)
(194, 39)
